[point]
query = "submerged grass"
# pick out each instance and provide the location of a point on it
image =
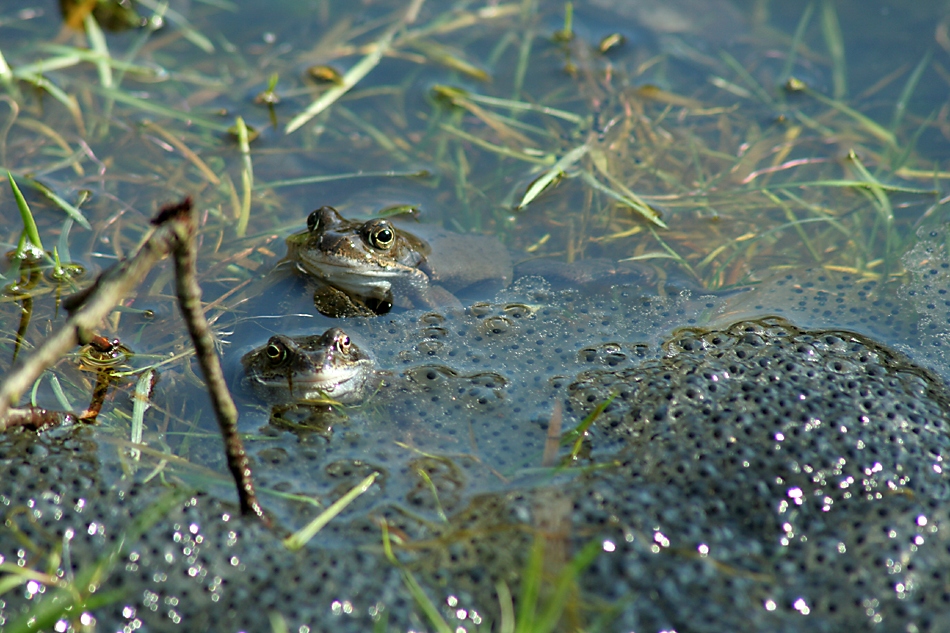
(301, 537)
(546, 590)
(247, 177)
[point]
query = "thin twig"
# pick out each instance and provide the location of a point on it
(552, 443)
(189, 301)
(38, 419)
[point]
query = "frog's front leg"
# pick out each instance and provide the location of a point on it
(422, 293)
(439, 297)
(335, 303)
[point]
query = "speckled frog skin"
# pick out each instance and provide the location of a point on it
(382, 265)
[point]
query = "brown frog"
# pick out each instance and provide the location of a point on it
(315, 368)
(332, 368)
(376, 264)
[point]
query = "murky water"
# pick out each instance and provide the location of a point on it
(820, 205)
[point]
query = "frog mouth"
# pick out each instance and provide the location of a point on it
(326, 382)
(372, 282)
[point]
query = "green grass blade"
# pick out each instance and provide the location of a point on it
(876, 188)
(510, 104)
(310, 180)
(415, 590)
(6, 75)
(29, 225)
(445, 56)
(506, 606)
(901, 106)
(497, 149)
(796, 41)
(36, 384)
(835, 42)
(628, 198)
(97, 57)
(64, 402)
(158, 109)
(649, 256)
(528, 9)
(97, 41)
(566, 34)
(554, 605)
(435, 494)
(301, 537)
(425, 604)
(62, 249)
(69, 102)
(530, 587)
(382, 138)
(793, 219)
(152, 24)
(577, 434)
(844, 182)
(873, 127)
(350, 79)
(49, 611)
(17, 576)
(898, 163)
(69, 209)
(41, 67)
(746, 77)
(247, 177)
(140, 404)
(181, 23)
(556, 171)
(277, 623)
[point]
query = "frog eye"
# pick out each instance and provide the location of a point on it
(276, 352)
(313, 220)
(382, 237)
(343, 344)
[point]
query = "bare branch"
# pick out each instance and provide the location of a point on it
(38, 419)
(189, 301)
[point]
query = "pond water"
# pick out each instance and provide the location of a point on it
(726, 410)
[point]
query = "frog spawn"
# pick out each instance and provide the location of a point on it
(928, 294)
(199, 566)
(910, 315)
(697, 530)
(772, 473)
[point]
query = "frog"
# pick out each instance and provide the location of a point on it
(377, 265)
(329, 367)
(310, 372)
